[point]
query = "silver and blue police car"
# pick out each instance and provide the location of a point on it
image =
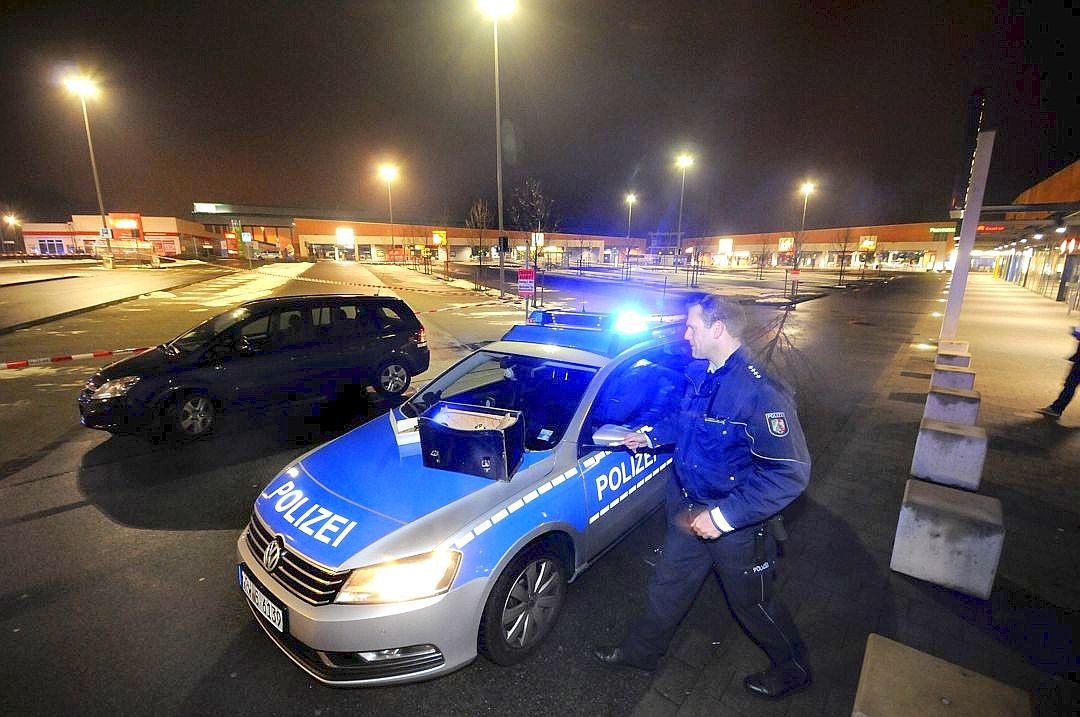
(451, 526)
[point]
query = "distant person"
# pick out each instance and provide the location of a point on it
(740, 458)
(1054, 409)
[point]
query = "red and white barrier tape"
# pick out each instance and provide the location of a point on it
(72, 357)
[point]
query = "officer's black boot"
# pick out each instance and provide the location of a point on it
(778, 681)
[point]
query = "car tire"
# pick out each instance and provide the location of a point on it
(523, 606)
(193, 416)
(392, 378)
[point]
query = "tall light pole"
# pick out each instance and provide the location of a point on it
(630, 199)
(389, 172)
(683, 161)
(807, 189)
(496, 9)
(85, 87)
(12, 221)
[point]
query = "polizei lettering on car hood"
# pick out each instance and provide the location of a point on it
(353, 491)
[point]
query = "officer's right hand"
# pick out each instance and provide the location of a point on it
(636, 440)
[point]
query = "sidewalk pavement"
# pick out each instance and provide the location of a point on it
(840, 586)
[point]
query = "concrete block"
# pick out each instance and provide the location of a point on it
(953, 405)
(953, 358)
(899, 681)
(952, 345)
(952, 377)
(949, 537)
(949, 453)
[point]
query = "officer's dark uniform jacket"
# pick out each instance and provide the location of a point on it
(739, 448)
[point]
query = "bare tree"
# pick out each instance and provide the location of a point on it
(844, 253)
(479, 217)
(530, 209)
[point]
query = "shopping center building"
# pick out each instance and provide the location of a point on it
(1035, 249)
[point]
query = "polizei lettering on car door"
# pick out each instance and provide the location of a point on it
(309, 518)
(623, 474)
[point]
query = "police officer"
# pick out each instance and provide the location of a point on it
(740, 458)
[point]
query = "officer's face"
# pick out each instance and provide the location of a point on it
(702, 338)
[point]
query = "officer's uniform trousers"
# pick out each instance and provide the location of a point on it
(747, 581)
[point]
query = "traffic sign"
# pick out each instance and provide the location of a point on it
(526, 282)
(106, 233)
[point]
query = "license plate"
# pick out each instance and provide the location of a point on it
(274, 614)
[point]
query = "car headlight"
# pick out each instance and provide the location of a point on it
(411, 578)
(115, 388)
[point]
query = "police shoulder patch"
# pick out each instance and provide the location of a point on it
(753, 370)
(777, 423)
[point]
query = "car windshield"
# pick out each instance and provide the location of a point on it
(546, 392)
(205, 332)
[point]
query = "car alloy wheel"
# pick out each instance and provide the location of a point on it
(393, 379)
(523, 606)
(194, 415)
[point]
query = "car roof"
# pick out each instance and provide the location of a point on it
(596, 333)
(310, 298)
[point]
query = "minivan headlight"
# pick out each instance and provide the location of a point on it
(412, 578)
(115, 388)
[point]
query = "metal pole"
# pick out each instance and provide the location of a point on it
(93, 166)
(802, 229)
(498, 156)
(984, 147)
(390, 201)
(678, 229)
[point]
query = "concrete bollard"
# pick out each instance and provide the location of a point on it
(949, 453)
(952, 345)
(949, 537)
(898, 681)
(953, 405)
(953, 358)
(952, 377)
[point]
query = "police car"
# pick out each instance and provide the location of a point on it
(452, 525)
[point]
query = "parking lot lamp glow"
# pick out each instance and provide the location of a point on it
(683, 161)
(12, 222)
(496, 9)
(389, 173)
(85, 87)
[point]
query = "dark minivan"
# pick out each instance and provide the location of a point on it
(284, 350)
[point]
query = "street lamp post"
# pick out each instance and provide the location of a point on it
(806, 189)
(11, 221)
(630, 199)
(389, 173)
(83, 87)
(682, 162)
(496, 9)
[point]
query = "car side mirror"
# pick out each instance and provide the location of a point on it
(610, 435)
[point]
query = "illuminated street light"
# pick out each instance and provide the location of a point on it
(12, 222)
(388, 172)
(496, 9)
(85, 87)
(630, 199)
(807, 189)
(683, 161)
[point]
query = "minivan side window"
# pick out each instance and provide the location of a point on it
(289, 328)
(387, 318)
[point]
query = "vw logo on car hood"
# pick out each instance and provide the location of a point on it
(272, 555)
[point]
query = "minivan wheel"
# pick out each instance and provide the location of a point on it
(392, 378)
(523, 606)
(193, 416)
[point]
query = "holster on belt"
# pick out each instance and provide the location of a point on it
(775, 527)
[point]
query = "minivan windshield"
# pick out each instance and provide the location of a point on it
(207, 331)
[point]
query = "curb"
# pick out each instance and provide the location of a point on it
(38, 281)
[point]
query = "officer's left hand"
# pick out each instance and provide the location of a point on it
(703, 527)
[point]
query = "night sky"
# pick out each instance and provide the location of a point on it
(296, 103)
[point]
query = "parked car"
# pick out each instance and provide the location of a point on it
(265, 353)
(451, 527)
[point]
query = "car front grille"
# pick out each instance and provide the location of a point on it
(308, 581)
